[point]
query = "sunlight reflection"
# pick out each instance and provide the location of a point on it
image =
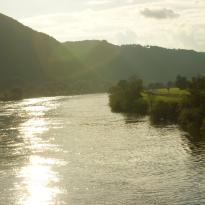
(39, 179)
(33, 126)
(38, 176)
(35, 101)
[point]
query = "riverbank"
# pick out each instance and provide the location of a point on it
(173, 106)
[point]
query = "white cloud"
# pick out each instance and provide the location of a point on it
(125, 24)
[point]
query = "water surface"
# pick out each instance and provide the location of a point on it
(73, 150)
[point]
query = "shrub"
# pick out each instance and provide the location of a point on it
(191, 119)
(162, 111)
(126, 97)
(140, 106)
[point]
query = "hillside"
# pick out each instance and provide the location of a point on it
(33, 61)
(153, 64)
(40, 65)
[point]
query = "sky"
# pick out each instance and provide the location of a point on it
(166, 23)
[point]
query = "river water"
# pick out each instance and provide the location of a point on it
(74, 151)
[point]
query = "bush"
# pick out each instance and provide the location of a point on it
(117, 102)
(126, 97)
(191, 119)
(140, 106)
(162, 111)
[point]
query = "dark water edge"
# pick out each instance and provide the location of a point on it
(73, 150)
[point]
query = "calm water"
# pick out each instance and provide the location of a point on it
(74, 151)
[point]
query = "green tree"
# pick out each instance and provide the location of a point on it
(126, 96)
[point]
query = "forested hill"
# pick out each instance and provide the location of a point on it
(153, 64)
(33, 61)
(40, 65)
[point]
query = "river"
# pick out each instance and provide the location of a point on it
(75, 151)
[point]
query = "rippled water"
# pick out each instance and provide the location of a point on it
(73, 150)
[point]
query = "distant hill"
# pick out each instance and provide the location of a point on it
(153, 64)
(39, 65)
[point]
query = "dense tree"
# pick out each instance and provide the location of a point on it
(192, 116)
(126, 97)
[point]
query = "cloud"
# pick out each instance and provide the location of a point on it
(159, 13)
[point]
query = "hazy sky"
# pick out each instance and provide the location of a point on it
(168, 23)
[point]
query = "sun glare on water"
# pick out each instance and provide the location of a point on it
(38, 176)
(40, 182)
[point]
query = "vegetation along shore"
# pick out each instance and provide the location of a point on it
(181, 103)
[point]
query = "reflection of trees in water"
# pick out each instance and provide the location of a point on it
(133, 118)
(196, 144)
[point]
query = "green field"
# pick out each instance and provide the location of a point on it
(163, 94)
(172, 91)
